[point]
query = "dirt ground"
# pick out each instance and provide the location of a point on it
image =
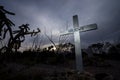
(11, 70)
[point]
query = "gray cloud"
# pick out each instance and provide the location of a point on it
(54, 15)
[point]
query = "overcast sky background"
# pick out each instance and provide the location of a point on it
(54, 15)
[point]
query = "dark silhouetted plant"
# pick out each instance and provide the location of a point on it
(19, 37)
(5, 23)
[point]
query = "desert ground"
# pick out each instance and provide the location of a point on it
(66, 71)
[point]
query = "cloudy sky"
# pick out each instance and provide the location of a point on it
(54, 16)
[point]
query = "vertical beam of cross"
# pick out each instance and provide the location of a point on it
(78, 54)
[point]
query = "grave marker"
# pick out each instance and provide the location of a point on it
(76, 31)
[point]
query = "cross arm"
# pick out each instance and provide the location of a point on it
(88, 27)
(81, 29)
(66, 33)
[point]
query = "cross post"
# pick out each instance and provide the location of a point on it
(76, 31)
(78, 54)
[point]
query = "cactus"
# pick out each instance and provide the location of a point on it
(19, 37)
(5, 23)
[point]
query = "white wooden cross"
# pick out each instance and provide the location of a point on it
(76, 31)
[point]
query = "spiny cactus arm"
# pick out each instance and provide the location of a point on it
(33, 33)
(9, 22)
(5, 31)
(24, 27)
(5, 11)
(1, 25)
(16, 31)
